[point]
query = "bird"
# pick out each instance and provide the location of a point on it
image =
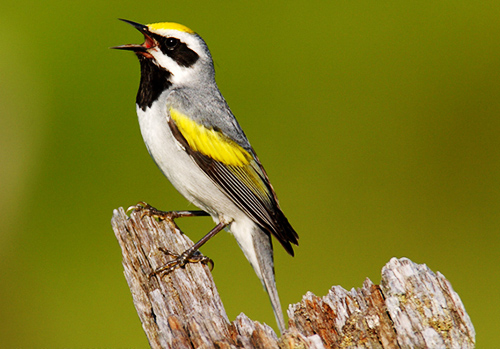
(196, 141)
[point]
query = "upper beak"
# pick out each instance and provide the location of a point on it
(148, 43)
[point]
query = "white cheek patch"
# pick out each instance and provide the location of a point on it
(179, 74)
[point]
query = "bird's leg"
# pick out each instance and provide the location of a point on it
(147, 210)
(191, 255)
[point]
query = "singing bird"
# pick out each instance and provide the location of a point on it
(195, 140)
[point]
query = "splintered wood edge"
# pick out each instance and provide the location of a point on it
(413, 307)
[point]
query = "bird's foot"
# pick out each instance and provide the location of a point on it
(146, 209)
(180, 260)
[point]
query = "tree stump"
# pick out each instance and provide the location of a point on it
(411, 308)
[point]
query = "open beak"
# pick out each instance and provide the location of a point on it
(139, 49)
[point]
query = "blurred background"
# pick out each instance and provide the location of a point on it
(378, 124)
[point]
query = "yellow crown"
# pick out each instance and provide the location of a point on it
(169, 25)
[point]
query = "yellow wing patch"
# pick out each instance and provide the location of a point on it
(169, 25)
(210, 142)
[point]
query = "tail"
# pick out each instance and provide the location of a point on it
(258, 249)
(265, 271)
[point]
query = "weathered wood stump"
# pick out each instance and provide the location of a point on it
(411, 308)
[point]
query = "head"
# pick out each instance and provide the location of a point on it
(175, 49)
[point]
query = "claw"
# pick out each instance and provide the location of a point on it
(208, 261)
(137, 207)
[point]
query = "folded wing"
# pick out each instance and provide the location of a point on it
(237, 172)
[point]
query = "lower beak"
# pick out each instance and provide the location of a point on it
(131, 47)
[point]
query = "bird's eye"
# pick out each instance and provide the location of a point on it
(171, 43)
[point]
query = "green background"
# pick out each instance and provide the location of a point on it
(378, 123)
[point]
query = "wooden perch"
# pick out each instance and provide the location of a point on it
(412, 308)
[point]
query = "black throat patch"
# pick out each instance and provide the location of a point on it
(154, 80)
